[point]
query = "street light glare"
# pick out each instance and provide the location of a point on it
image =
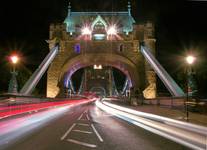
(190, 59)
(14, 59)
(112, 30)
(97, 67)
(86, 31)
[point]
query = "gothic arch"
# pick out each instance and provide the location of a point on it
(99, 18)
(121, 63)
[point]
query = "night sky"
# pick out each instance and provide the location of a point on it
(181, 27)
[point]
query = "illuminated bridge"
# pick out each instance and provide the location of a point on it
(94, 46)
(90, 47)
(94, 54)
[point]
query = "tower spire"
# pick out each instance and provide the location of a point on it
(69, 9)
(129, 7)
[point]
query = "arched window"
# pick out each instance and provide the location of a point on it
(121, 48)
(99, 28)
(77, 48)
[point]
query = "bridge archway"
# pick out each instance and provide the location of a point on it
(98, 90)
(119, 62)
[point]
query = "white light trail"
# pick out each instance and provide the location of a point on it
(185, 136)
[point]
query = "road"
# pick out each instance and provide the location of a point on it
(80, 128)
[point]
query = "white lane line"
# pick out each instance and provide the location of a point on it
(83, 124)
(81, 131)
(80, 117)
(87, 117)
(81, 143)
(67, 132)
(98, 135)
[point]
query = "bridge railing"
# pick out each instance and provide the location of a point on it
(30, 85)
(168, 81)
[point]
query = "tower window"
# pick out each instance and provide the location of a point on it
(77, 48)
(121, 47)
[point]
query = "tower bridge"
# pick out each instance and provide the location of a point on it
(97, 52)
(100, 42)
(108, 39)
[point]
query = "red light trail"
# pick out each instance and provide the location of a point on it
(7, 111)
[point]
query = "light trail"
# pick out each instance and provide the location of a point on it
(8, 111)
(185, 136)
(172, 122)
(14, 129)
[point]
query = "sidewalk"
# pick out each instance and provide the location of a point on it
(194, 118)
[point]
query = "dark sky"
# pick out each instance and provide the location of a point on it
(180, 26)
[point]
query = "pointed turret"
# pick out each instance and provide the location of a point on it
(69, 22)
(69, 9)
(129, 8)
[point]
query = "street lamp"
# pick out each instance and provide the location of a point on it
(13, 86)
(14, 59)
(190, 61)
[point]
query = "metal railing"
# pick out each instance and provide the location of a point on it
(29, 86)
(168, 81)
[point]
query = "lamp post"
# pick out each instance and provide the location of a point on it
(13, 86)
(190, 60)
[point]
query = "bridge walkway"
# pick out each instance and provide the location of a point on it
(178, 114)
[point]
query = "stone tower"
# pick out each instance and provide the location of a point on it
(101, 38)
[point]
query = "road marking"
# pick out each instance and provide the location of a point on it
(98, 135)
(80, 117)
(87, 117)
(83, 124)
(87, 132)
(67, 132)
(81, 143)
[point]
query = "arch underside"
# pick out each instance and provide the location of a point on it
(121, 63)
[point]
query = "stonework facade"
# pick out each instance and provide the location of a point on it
(120, 50)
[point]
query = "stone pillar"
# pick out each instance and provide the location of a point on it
(52, 75)
(150, 76)
(13, 86)
(52, 80)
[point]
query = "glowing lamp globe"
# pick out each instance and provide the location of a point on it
(97, 67)
(112, 30)
(14, 59)
(190, 59)
(86, 31)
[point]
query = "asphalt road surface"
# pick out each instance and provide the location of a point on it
(81, 128)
